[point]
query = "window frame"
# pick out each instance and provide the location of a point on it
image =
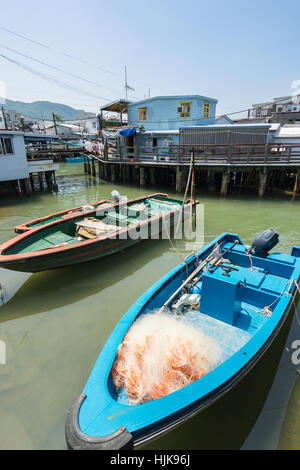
(3, 148)
(142, 112)
(187, 113)
(206, 110)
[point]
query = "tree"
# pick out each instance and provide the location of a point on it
(58, 117)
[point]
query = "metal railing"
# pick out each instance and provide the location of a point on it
(218, 154)
(204, 154)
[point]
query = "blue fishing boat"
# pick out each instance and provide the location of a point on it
(237, 296)
(74, 159)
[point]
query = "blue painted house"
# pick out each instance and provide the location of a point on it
(161, 117)
(172, 112)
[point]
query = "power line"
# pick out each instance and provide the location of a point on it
(52, 80)
(58, 69)
(83, 61)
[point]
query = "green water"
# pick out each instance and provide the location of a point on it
(55, 323)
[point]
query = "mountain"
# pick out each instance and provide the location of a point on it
(37, 109)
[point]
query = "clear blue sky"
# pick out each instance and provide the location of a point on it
(240, 52)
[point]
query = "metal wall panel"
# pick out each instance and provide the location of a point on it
(219, 136)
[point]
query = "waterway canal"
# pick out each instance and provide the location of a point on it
(55, 323)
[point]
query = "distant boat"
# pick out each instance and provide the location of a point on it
(241, 297)
(75, 159)
(76, 238)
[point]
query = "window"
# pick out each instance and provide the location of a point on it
(185, 109)
(206, 110)
(142, 114)
(6, 146)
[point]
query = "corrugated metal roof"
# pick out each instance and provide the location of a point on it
(288, 132)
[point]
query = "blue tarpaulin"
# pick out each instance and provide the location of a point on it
(128, 132)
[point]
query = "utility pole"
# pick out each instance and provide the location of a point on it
(4, 118)
(127, 87)
(42, 116)
(54, 121)
(193, 185)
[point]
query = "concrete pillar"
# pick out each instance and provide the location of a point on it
(297, 182)
(105, 171)
(225, 181)
(113, 174)
(262, 182)
(89, 166)
(181, 180)
(93, 168)
(152, 176)
(85, 164)
(211, 180)
(142, 176)
(99, 170)
(48, 177)
(127, 172)
(28, 188)
(32, 183)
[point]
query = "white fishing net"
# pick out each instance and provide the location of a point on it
(161, 354)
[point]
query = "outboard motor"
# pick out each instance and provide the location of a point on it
(264, 242)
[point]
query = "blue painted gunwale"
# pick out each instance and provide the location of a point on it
(149, 419)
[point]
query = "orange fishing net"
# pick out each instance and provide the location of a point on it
(159, 355)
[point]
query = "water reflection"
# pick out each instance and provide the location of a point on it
(48, 290)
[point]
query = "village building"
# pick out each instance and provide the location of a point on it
(21, 174)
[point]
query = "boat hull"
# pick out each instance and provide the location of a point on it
(80, 252)
(159, 416)
(122, 439)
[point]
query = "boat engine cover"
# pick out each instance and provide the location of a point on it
(264, 242)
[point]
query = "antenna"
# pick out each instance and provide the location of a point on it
(127, 87)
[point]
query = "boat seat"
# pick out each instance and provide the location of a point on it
(58, 237)
(220, 296)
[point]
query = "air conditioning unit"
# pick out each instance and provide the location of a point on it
(180, 109)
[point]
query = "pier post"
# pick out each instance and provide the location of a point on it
(48, 177)
(142, 176)
(225, 181)
(211, 180)
(152, 176)
(88, 166)
(297, 182)
(99, 170)
(27, 186)
(262, 182)
(93, 168)
(127, 173)
(84, 164)
(105, 173)
(32, 183)
(113, 175)
(180, 179)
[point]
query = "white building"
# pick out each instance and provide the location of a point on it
(75, 129)
(13, 159)
(16, 168)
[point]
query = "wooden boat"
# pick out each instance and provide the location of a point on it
(245, 296)
(42, 221)
(81, 237)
